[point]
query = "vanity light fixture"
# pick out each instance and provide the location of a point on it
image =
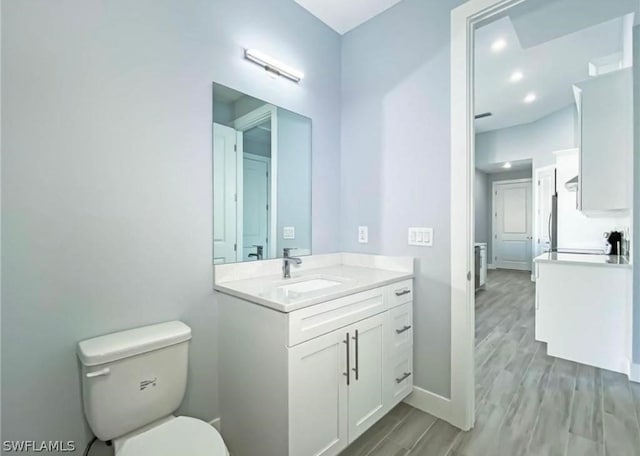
(272, 65)
(507, 165)
(530, 98)
(498, 45)
(516, 76)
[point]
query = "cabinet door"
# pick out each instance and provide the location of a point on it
(606, 155)
(318, 396)
(367, 381)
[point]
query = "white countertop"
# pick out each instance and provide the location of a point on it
(584, 259)
(266, 290)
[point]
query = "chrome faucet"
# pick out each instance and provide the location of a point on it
(286, 262)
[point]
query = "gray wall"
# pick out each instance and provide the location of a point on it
(395, 159)
(537, 140)
(482, 207)
(636, 198)
(294, 176)
(106, 178)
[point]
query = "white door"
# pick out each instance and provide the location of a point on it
(225, 170)
(512, 225)
(318, 396)
(544, 192)
(255, 205)
(368, 381)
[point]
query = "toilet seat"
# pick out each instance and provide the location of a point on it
(182, 436)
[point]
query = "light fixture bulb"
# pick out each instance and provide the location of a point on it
(507, 165)
(498, 45)
(530, 98)
(516, 76)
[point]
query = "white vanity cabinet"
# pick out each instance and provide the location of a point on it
(309, 382)
(605, 122)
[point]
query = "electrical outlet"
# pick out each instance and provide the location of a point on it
(288, 232)
(422, 237)
(363, 234)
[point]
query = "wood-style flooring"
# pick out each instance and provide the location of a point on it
(527, 403)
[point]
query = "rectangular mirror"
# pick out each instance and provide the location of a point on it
(261, 179)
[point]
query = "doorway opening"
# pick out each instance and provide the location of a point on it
(517, 75)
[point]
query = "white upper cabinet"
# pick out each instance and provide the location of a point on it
(605, 132)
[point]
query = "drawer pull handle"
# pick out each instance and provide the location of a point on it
(402, 292)
(405, 328)
(346, 341)
(357, 368)
(403, 377)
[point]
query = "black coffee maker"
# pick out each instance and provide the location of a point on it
(614, 239)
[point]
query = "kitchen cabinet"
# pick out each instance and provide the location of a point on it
(583, 311)
(311, 381)
(605, 137)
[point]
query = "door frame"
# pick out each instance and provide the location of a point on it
(266, 160)
(464, 20)
(244, 123)
(494, 232)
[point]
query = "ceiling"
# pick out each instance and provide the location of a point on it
(549, 67)
(496, 168)
(345, 15)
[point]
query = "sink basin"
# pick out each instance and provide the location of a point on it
(307, 286)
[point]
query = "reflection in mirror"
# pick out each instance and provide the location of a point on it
(261, 179)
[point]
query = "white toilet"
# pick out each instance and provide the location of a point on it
(132, 382)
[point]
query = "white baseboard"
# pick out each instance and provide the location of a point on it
(634, 375)
(491, 266)
(215, 423)
(429, 402)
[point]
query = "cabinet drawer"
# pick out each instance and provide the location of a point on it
(401, 327)
(399, 293)
(402, 380)
(313, 321)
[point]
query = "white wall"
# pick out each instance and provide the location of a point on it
(106, 178)
(537, 140)
(294, 180)
(395, 159)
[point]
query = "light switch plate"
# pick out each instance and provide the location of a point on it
(288, 232)
(363, 234)
(420, 236)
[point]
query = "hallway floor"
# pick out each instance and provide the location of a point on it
(528, 403)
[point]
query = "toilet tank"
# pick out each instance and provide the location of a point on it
(133, 378)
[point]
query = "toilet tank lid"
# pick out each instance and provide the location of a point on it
(124, 344)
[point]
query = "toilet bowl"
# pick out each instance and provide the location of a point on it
(132, 383)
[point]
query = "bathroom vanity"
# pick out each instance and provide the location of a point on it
(307, 364)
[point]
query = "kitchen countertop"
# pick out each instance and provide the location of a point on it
(584, 259)
(267, 290)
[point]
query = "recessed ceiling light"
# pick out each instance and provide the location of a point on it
(530, 98)
(516, 76)
(498, 45)
(507, 165)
